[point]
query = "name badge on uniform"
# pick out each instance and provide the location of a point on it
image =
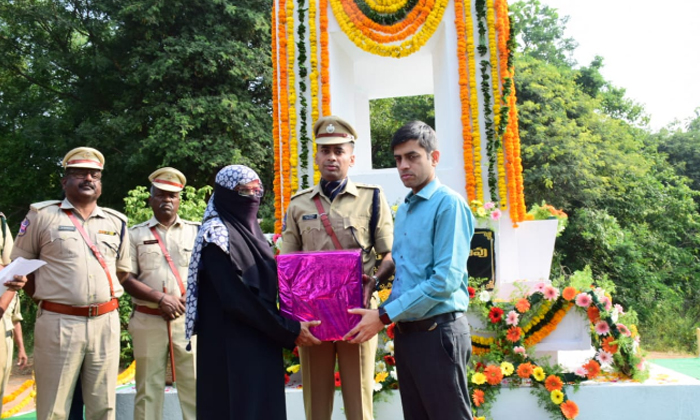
(107, 232)
(309, 217)
(66, 228)
(151, 241)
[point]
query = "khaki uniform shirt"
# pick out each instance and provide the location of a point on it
(5, 246)
(349, 213)
(148, 262)
(12, 314)
(72, 275)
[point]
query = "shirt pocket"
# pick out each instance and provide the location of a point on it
(109, 247)
(150, 257)
(358, 227)
(65, 244)
(310, 229)
(185, 254)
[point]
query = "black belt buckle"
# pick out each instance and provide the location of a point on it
(93, 310)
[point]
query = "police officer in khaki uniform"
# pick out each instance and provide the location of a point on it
(86, 248)
(350, 207)
(158, 291)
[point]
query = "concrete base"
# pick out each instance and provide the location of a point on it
(666, 394)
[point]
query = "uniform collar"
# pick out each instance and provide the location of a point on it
(426, 192)
(98, 212)
(350, 188)
(154, 222)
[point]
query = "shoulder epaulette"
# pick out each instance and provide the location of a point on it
(116, 213)
(302, 192)
(44, 204)
(191, 222)
(142, 224)
(369, 186)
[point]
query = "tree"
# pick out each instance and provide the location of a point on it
(153, 83)
(683, 150)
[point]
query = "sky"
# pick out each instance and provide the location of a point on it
(649, 47)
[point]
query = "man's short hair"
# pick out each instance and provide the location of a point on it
(416, 130)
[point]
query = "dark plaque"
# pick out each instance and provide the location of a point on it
(482, 257)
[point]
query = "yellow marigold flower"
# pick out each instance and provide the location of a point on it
(538, 373)
(384, 294)
(557, 397)
(507, 368)
(380, 377)
(479, 378)
(480, 418)
(633, 330)
(293, 368)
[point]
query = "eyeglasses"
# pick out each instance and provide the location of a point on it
(96, 175)
(250, 192)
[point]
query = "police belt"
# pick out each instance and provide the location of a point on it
(427, 324)
(146, 310)
(96, 309)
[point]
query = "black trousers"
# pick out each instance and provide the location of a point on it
(432, 371)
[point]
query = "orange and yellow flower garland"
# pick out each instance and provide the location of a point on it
(313, 61)
(325, 77)
(464, 97)
(284, 107)
(474, 103)
(293, 144)
(275, 124)
(543, 332)
(398, 31)
(402, 50)
(386, 6)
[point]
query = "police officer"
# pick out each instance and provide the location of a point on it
(360, 218)
(86, 250)
(160, 254)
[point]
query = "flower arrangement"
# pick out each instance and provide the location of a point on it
(485, 212)
(546, 211)
(518, 325)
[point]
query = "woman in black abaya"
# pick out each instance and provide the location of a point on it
(232, 307)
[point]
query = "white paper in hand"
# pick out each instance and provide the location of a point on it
(18, 267)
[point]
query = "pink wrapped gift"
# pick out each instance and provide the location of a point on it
(321, 286)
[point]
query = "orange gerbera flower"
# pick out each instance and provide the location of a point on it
(569, 293)
(494, 375)
(610, 348)
(593, 314)
(569, 409)
(522, 306)
(525, 370)
(513, 334)
(478, 397)
(593, 369)
(553, 382)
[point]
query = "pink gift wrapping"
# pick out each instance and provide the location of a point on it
(321, 286)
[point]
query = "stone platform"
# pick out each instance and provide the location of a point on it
(667, 394)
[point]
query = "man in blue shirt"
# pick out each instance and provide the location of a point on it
(432, 233)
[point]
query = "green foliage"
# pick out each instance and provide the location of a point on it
(682, 147)
(388, 115)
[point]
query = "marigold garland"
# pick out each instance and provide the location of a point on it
(277, 187)
(313, 62)
(284, 166)
(291, 78)
(386, 6)
(405, 48)
(386, 18)
(462, 61)
(474, 103)
(303, 73)
(17, 392)
(384, 34)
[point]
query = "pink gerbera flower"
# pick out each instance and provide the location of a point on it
(582, 372)
(604, 357)
(540, 287)
(605, 301)
(520, 350)
(619, 309)
(624, 330)
(583, 300)
(602, 328)
(496, 214)
(489, 205)
(551, 293)
(512, 318)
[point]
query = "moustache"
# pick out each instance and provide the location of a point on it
(166, 206)
(87, 184)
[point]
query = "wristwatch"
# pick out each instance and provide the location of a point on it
(376, 282)
(383, 316)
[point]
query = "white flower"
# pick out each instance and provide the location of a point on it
(614, 314)
(394, 375)
(604, 357)
(484, 296)
(380, 366)
(377, 387)
(389, 347)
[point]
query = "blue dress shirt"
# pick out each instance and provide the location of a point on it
(432, 236)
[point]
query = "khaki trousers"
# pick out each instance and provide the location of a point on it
(150, 339)
(9, 352)
(356, 366)
(66, 346)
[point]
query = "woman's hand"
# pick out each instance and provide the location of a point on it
(305, 337)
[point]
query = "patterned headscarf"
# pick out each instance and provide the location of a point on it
(213, 231)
